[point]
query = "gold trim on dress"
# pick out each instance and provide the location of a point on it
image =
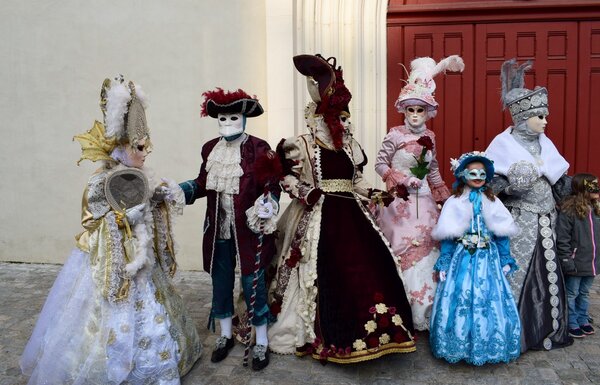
(367, 354)
(336, 185)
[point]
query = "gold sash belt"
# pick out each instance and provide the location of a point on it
(336, 185)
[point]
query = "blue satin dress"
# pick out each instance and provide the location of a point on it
(474, 315)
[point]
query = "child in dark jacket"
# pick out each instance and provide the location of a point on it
(578, 241)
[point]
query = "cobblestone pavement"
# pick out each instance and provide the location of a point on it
(23, 290)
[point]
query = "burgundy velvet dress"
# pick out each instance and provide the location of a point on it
(359, 290)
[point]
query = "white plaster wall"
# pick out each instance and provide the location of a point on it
(55, 55)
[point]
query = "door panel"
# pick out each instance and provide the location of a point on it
(453, 124)
(566, 58)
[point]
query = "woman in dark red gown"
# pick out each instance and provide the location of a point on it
(336, 292)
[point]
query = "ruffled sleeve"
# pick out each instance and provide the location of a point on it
(296, 155)
(439, 191)
(390, 176)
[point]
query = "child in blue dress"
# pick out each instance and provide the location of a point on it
(474, 315)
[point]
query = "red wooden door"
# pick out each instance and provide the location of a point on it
(587, 156)
(555, 67)
(562, 39)
(453, 124)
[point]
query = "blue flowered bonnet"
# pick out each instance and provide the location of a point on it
(458, 165)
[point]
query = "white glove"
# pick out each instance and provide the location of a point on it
(160, 193)
(414, 182)
(442, 276)
(135, 214)
(265, 210)
(506, 269)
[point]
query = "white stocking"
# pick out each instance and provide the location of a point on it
(261, 335)
(226, 327)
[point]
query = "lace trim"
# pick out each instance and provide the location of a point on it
(223, 168)
(116, 261)
(336, 185)
(162, 226)
(318, 170)
(307, 274)
(97, 203)
(262, 225)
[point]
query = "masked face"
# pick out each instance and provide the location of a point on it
(415, 116)
(345, 120)
(475, 174)
(537, 124)
(135, 156)
(230, 124)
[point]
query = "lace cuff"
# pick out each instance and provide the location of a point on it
(508, 260)
(440, 193)
(446, 250)
(262, 225)
(175, 198)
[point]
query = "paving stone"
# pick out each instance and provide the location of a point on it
(24, 287)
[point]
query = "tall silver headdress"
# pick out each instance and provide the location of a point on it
(522, 103)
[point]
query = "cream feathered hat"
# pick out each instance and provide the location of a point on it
(420, 86)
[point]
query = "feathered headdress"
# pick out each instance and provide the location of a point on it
(521, 102)
(231, 102)
(123, 105)
(420, 86)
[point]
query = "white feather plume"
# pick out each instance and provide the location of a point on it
(117, 98)
(453, 63)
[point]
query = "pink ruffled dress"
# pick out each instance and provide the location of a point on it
(408, 224)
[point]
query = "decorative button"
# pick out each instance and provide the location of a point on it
(546, 232)
(547, 243)
(547, 344)
(551, 266)
(552, 277)
(553, 289)
(549, 254)
(544, 221)
(554, 300)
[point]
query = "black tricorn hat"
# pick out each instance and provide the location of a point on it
(237, 102)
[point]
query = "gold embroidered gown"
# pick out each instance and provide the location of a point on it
(108, 319)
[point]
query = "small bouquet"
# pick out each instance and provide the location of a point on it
(421, 170)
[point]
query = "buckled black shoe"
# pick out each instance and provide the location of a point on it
(260, 358)
(222, 348)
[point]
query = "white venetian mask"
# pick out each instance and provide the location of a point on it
(415, 116)
(230, 124)
(537, 124)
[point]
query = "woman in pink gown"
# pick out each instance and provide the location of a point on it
(407, 161)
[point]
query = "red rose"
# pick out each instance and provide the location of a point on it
(401, 192)
(383, 322)
(275, 308)
(373, 342)
(294, 258)
(392, 310)
(400, 337)
(426, 142)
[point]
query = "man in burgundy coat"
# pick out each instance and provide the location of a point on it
(240, 216)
